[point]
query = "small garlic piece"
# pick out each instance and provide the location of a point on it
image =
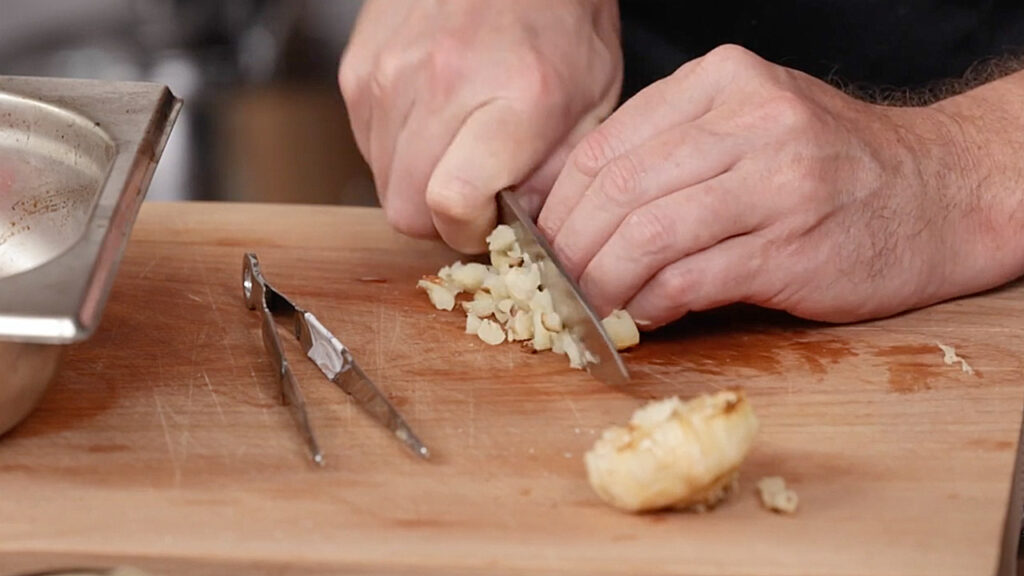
(516, 254)
(674, 454)
(557, 343)
(503, 310)
(491, 332)
(442, 297)
(542, 301)
(495, 286)
(472, 324)
(775, 496)
(502, 262)
(522, 284)
(621, 329)
(552, 321)
(445, 273)
(574, 350)
(541, 335)
(468, 277)
(482, 305)
(501, 239)
(521, 326)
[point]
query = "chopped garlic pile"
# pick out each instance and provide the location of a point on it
(508, 302)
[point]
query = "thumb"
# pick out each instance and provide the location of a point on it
(496, 147)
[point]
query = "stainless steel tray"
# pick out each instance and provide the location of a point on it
(76, 158)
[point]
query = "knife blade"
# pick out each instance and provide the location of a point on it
(577, 315)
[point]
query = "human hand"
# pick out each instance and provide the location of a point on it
(452, 101)
(736, 180)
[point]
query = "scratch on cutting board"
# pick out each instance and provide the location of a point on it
(186, 434)
(204, 276)
(380, 336)
(167, 438)
(259, 392)
(216, 402)
(186, 437)
(194, 297)
(472, 418)
(231, 353)
(213, 303)
(395, 333)
(572, 407)
(348, 415)
(148, 268)
(188, 405)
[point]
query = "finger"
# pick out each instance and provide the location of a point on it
(726, 273)
(424, 138)
(683, 97)
(357, 107)
(670, 229)
(496, 147)
(391, 112)
(376, 23)
(533, 191)
(674, 160)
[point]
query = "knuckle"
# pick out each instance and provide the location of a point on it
(594, 151)
(619, 182)
(788, 111)
(648, 231)
(446, 62)
(729, 57)
(679, 284)
(350, 80)
(532, 81)
(388, 71)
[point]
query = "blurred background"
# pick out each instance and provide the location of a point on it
(263, 119)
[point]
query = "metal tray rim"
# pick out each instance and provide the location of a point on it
(62, 300)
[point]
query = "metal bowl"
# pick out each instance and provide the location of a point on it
(76, 158)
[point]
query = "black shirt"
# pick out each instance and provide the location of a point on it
(871, 43)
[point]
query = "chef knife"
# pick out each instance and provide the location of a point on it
(604, 362)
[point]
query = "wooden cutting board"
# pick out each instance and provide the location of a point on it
(162, 444)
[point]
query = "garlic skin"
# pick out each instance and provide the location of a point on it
(509, 302)
(673, 454)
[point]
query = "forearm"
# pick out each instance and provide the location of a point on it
(978, 166)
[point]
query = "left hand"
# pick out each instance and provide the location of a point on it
(737, 180)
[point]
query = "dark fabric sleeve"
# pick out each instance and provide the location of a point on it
(874, 43)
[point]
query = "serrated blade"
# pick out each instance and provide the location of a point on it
(577, 315)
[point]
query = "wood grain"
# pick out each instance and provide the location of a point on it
(162, 444)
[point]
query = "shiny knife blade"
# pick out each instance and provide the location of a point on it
(577, 315)
(337, 364)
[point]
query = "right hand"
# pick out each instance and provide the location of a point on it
(451, 101)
